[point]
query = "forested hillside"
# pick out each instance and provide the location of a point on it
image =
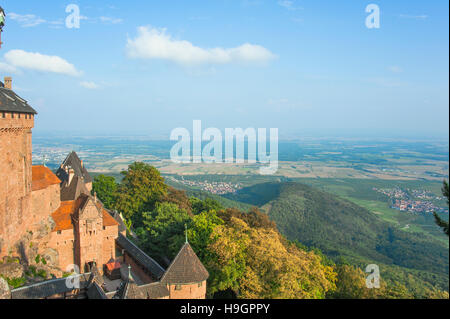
(250, 255)
(342, 229)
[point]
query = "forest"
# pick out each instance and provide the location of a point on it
(251, 254)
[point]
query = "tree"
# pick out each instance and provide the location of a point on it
(199, 233)
(162, 230)
(178, 197)
(351, 284)
(442, 223)
(256, 262)
(105, 187)
(142, 186)
(199, 206)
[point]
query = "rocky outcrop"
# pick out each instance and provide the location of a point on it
(44, 228)
(5, 292)
(51, 256)
(11, 270)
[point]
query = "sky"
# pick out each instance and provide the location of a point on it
(304, 67)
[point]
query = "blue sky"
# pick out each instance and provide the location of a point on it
(305, 67)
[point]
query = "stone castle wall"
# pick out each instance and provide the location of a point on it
(16, 181)
(143, 275)
(191, 291)
(63, 242)
(109, 243)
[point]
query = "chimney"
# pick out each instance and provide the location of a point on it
(8, 82)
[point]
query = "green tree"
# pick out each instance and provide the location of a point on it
(442, 223)
(141, 187)
(199, 233)
(105, 187)
(162, 230)
(179, 198)
(199, 206)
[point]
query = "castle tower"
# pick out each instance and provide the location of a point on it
(89, 228)
(16, 122)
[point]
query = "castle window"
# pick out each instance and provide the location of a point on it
(200, 284)
(3, 114)
(58, 232)
(18, 115)
(104, 227)
(12, 115)
(178, 287)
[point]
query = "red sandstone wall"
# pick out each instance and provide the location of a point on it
(109, 243)
(44, 203)
(63, 243)
(89, 232)
(191, 291)
(15, 182)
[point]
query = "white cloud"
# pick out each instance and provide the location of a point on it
(40, 62)
(26, 20)
(7, 68)
(416, 17)
(152, 43)
(89, 85)
(31, 20)
(110, 20)
(289, 4)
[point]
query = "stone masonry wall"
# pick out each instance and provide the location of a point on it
(15, 184)
(191, 291)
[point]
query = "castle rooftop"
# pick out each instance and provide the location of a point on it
(11, 102)
(43, 177)
(63, 215)
(186, 268)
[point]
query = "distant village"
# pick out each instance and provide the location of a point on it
(412, 200)
(219, 188)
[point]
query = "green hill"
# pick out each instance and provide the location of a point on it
(343, 229)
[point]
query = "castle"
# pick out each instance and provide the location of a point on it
(55, 217)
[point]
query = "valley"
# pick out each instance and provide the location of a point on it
(337, 197)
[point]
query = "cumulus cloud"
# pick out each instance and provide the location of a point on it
(152, 43)
(40, 62)
(89, 85)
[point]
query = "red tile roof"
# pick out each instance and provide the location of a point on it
(62, 216)
(113, 265)
(63, 219)
(43, 177)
